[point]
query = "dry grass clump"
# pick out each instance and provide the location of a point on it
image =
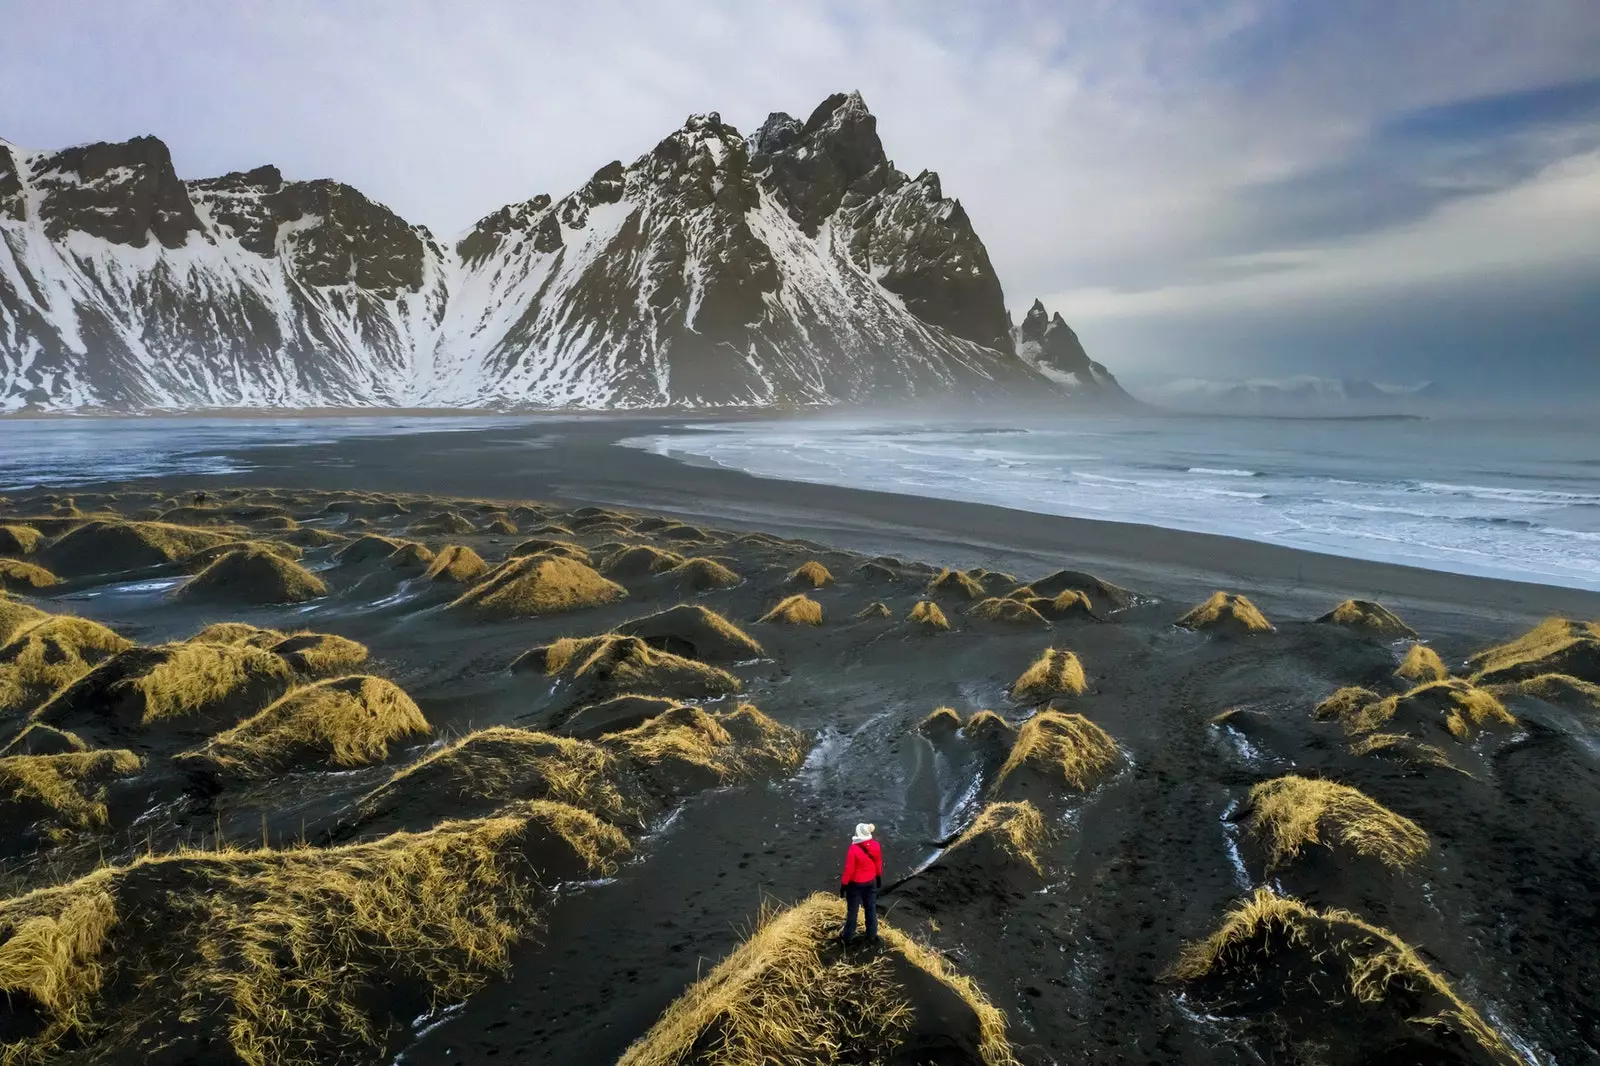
(810, 575)
(1055, 673)
(615, 715)
(1278, 949)
(1060, 747)
(410, 556)
(1459, 708)
(1288, 813)
(1016, 828)
(874, 611)
(1408, 751)
(18, 576)
(319, 654)
(545, 546)
(236, 633)
(686, 747)
(694, 632)
(537, 585)
(343, 722)
(1095, 588)
(501, 525)
(288, 958)
(1228, 613)
(1068, 603)
(40, 739)
(45, 657)
(104, 547)
(1007, 612)
(600, 668)
(18, 539)
(1555, 646)
(796, 610)
(955, 583)
(926, 617)
(787, 995)
(1369, 616)
(985, 726)
(1422, 663)
(445, 524)
(367, 548)
(202, 559)
(1345, 703)
(1562, 689)
(254, 577)
(639, 560)
(458, 564)
(15, 617)
(64, 792)
(698, 574)
(941, 722)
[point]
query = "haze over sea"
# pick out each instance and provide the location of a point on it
(1511, 498)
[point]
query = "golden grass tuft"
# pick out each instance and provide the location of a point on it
(809, 575)
(177, 683)
(597, 668)
(698, 574)
(103, 547)
(367, 548)
(694, 746)
(500, 525)
(1459, 708)
(1054, 673)
(1555, 646)
(339, 723)
(1007, 612)
(204, 558)
(236, 633)
(537, 585)
(15, 617)
(66, 792)
(1095, 588)
(255, 577)
(639, 560)
(45, 657)
(1069, 603)
(458, 564)
(19, 539)
(39, 739)
(318, 654)
(547, 546)
(446, 523)
(955, 583)
(926, 617)
(1345, 704)
(788, 996)
(694, 632)
(1291, 812)
(1061, 747)
(1016, 828)
(874, 611)
(1422, 663)
(1405, 750)
(410, 556)
(986, 725)
(796, 610)
(18, 576)
(1228, 613)
(1369, 616)
(1371, 964)
(1562, 689)
(941, 721)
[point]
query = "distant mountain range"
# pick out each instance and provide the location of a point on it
(794, 266)
(1296, 396)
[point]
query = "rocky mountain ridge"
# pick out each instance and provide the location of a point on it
(795, 266)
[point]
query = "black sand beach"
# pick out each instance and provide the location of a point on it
(1145, 855)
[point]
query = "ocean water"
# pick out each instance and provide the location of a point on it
(1502, 498)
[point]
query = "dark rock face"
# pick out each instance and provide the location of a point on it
(1047, 342)
(125, 193)
(12, 205)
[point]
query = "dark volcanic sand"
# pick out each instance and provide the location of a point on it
(1504, 907)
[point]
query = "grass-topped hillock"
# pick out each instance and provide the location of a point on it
(1012, 832)
(1563, 690)
(367, 548)
(955, 584)
(1096, 589)
(1329, 987)
(336, 724)
(694, 632)
(550, 546)
(537, 585)
(108, 547)
(253, 576)
(1406, 751)
(61, 793)
(19, 576)
(457, 564)
(285, 958)
(1422, 663)
(1068, 603)
(790, 995)
(1555, 646)
(876, 611)
(19, 539)
(1368, 617)
(318, 654)
(1055, 673)
(411, 557)
(499, 525)
(796, 610)
(809, 575)
(50, 653)
(591, 669)
(206, 556)
(699, 574)
(1008, 612)
(15, 617)
(39, 739)
(940, 724)
(1457, 707)
(443, 524)
(1291, 813)
(1226, 613)
(927, 617)
(1054, 749)
(639, 560)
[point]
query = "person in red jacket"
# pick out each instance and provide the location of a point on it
(863, 875)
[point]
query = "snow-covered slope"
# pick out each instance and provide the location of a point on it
(795, 266)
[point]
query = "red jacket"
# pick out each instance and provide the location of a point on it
(863, 862)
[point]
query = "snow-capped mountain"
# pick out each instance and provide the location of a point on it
(1304, 395)
(795, 266)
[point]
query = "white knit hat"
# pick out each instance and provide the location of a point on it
(864, 831)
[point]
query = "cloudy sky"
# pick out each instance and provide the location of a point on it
(1220, 189)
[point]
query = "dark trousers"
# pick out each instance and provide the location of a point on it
(863, 894)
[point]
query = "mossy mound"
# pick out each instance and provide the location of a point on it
(1555, 646)
(45, 657)
(252, 576)
(457, 564)
(315, 654)
(927, 617)
(1368, 617)
(192, 689)
(1054, 749)
(796, 610)
(956, 585)
(537, 585)
(591, 669)
(60, 793)
(15, 617)
(1055, 673)
(694, 632)
(445, 524)
(1097, 589)
(18, 576)
(40, 739)
(702, 575)
(790, 995)
(1328, 987)
(809, 575)
(1228, 614)
(335, 724)
(224, 950)
(640, 560)
(204, 558)
(876, 611)
(1458, 708)
(1422, 663)
(1288, 814)
(112, 547)
(19, 539)
(367, 548)
(1007, 612)
(1562, 690)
